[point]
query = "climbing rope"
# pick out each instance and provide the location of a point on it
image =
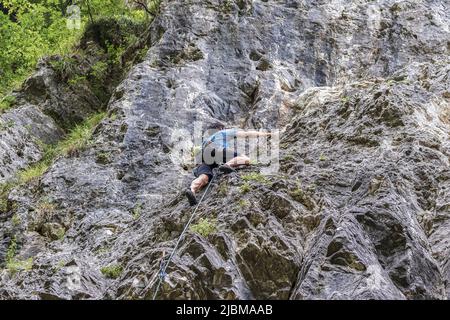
(162, 270)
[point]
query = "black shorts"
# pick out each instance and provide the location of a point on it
(204, 169)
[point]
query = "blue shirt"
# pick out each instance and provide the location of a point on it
(222, 139)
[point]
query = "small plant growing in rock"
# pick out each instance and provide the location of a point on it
(288, 157)
(102, 250)
(15, 220)
(255, 176)
(46, 208)
(99, 70)
(113, 117)
(345, 99)
(77, 80)
(103, 157)
(390, 82)
(6, 103)
(79, 138)
(223, 189)
(6, 125)
(11, 249)
(33, 172)
(60, 233)
(242, 203)
(204, 227)
(61, 264)
(3, 203)
(264, 65)
(298, 194)
(5, 189)
(322, 157)
(20, 265)
(227, 6)
(137, 211)
(112, 271)
(12, 263)
(245, 187)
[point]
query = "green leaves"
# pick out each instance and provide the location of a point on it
(112, 271)
(205, 227)
(37, 32)
(33, 29)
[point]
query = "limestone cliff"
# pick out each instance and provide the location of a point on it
(359, 209)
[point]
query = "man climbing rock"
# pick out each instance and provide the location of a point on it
(219, 150)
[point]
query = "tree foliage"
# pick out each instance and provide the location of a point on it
(31, 29)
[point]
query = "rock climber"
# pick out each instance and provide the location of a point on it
(219, 150)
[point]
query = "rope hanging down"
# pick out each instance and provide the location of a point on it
(162, 270)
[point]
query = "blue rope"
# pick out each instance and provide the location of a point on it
(162, 271)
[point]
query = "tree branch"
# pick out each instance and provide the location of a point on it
(143, 4)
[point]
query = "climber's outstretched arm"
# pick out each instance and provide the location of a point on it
(252, 134)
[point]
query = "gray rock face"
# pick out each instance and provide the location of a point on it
(359, 209)
(21, 131)
(46, 107)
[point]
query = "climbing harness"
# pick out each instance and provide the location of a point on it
(162, 270)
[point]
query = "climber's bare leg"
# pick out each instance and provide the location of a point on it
(199, 183)
(195, 187)
(238, 161)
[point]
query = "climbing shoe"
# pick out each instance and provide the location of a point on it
(226, 169)
(191, 197)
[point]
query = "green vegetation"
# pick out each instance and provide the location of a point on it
(11, 249)
(297, 194)
(79, 138)
(65, 66)
(137, 211)
(12, 263)
(302, 196)
(15, 220)
(345, 99)
(99, 69)
(20, 265)
(227, 6)
(45, 209)
(112, 271)
(76, 141)
(5, 189)
(223, 189)
(103, 157)
(61, 264)
(7, 102)
(102, 250)
(33, 172)
(30, 30)
(255, 176)
(245, 187)
(288, 157)
(6, 125)
(322, 157)
(242, 203)
(60, 233)
(204, 227)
